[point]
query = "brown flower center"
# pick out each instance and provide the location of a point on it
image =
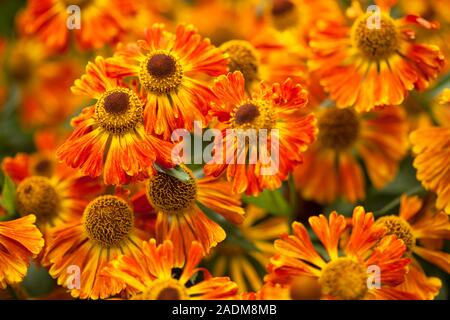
(169, 194)
(400, 228)
(338, 128)
(284, 14)
(119, 111)
(281, 7)
(160, 72)
(374, 41)
(117, 102)
(242, 57)
(161, 65)
(36, 195)
(246, 113)
(345, 279)
(108, 220)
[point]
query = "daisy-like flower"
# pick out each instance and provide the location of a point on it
(331, 168)
(239, 262)
(105, 231)
(50, 190)
(276, 110)
(180, 218)
(417, 223)
(368, 64)
(49, 20)
(172, 69)
(152, 277)
(432, 159)
(343, 275)
(20, 240)
(109, 138)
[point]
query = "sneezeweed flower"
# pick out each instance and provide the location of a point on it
(109, 138)
(173, 70)
(51, 191)
(431, 147)
(417, 222)
(152, 277)
(20, 240)
(105, 231)
(243, 263)
(275, 110)
(343, 276)
(366, 65)
(180, 218)
(43, 81)
(48, 21)
(331, 168)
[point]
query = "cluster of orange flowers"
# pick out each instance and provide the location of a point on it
(107, 210)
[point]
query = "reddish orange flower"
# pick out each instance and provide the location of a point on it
(49, 19)
(109, 138)
(274, 109)
(20, 240)
(88, 244)
(182, 210)
(331, 168)
(152, 278)
(417, 223)
(343, 275)
(46, 188)
(366, 65)
(171, 69)
(432, 161)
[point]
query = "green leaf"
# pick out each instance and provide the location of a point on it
(176, 172)
(272, 201)
(9, 195)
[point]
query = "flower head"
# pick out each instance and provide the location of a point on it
(274, 110)
(20, 240)
(109, 138)
(367, 64)
(152, 278)
(343, 275)
(171, 69)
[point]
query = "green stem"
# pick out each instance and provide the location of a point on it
(396, 202)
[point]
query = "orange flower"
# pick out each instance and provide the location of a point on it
(432, 161)
(274, 109)
(182, 206)
(85, 246)
(331, 168)
(343, 275)
(365, 65)
(53, 192)
(20, 240)
(48, 20)
(109, 138)
(152, 278)
(172, 69)
(414, 224)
